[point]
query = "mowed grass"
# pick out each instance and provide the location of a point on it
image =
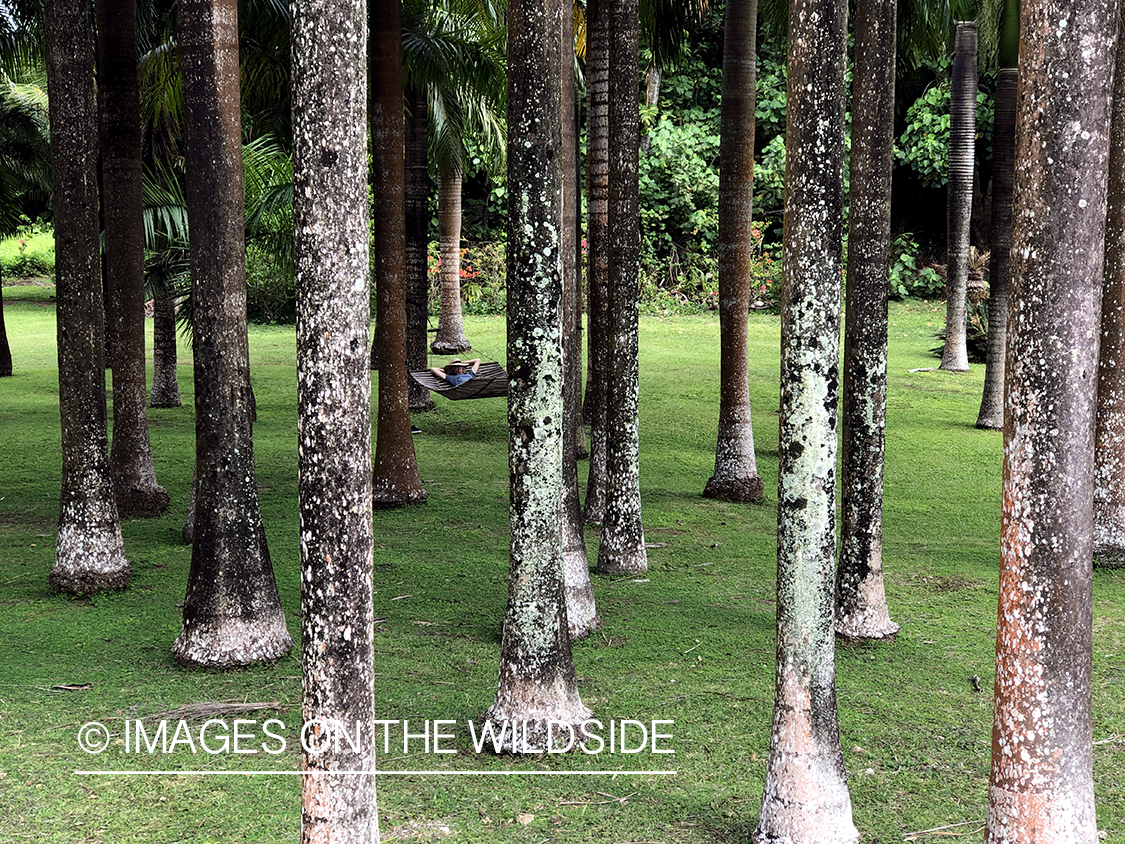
(692, 641)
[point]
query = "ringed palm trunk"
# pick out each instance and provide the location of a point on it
(134, 475)
(806, 794)
(622, 546)
(991, 415)
(597, 239)
(395, 479)
(450, 338)
(861, 603)
(165, 380)
(582, 614)
(1041, 786)
(88, 554)
(232, 612)
(736, 471)
(962, 142)
(334, 423)
(537, 682)
(1109, 451)
(417, 244)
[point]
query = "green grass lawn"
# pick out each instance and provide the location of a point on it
(692, 642)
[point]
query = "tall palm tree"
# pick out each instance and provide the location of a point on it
(88, 555)
(232, 613)
(806, 793)
(1041, 786)
(334, 426)
(417, 205)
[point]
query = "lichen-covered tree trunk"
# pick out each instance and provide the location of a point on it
(417, 194)
(1109, 451)
(130, 457)
(806, 798)
(395, 478)
(334, 422)
(450, 338)
(991, 415)
(537, 680)
(165, 379)
(962, 147)
(861, 603)
(232, 612)
(88, 555)
(1041, 787)
(622, 546)
(736, 471)
(597, 255)
(581, 612)
(5, 349)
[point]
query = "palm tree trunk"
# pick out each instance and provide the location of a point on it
(165, 380)
(861, 603)
(962, 143)
(417, 244)
(334, 424)
(88, 555)
(1109, 451)
(991, 413)
(5, 349)
(736, 471)
(597, 238)
(582, 614)
(806, 794)
(232, 612)
(450, 338)
(1041, 786)
(395, 479)
(622, 546)
(130, 457)
(537, 682)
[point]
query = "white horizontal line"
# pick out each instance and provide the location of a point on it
(380, 773)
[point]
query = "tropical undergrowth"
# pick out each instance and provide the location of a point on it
(691, 641)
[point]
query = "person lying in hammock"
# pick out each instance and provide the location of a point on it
(458, 371)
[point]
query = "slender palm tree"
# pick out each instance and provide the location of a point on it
(232, 613)
(417, 205)
(736, 471)
(1041, 786)
(88, 555)
(334, 423)
(806, 793)
(861, 603)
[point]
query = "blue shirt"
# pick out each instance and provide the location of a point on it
(459, 378)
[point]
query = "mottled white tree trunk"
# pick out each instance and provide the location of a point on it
(1109, 477)
(334, 424)
(88, 554)
(806, 795)
(1041, 787)
(537, 682)
(622, 546)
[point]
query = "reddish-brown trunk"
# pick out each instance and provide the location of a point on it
(450, 338)
(417, 243)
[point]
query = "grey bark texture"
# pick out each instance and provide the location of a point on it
(165, 379)
(736, 470)
(597, 255)
(622, 546)
(1041, 786)
(861, 603)
(1109, 451)
(417, 194)
(537, 682)
(806, 799)
(395, 478)
(88, 555)
(334, 423)
(962, 154)
(450, 338)
(130, 456)
(232, 613)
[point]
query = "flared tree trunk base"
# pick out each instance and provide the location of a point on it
(527, 729)
(233, 642)
(147, 502)
(581, 612)
(864, 627)
(743, 489)
(165, 396)
(450, 345)
(1109, 558)
(991, 423)
(392, 499)
(89, 557)
(1055, 818)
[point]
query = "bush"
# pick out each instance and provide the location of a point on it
(30, 253)
(907, 278)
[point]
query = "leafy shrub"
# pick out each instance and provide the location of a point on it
(907, 278)
(484, 278)
(271, 295)
(31, 252)
(924, 143)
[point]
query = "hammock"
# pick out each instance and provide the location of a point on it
(491, 381)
